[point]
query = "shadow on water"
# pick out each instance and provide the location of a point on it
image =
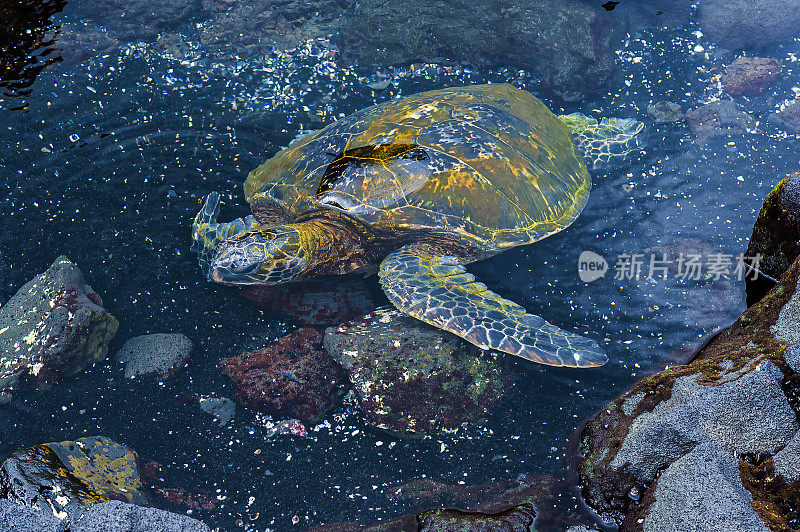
(27, 43)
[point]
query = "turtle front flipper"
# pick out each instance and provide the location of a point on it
(437, 290)
(208, 234)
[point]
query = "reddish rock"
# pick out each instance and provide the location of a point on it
(293, 378)
(751, 75)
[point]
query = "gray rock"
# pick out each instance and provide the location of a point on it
(116, 516)
(702, 491)
(790, 195)
(787, 327)
(155, 353)
(54, 326)
(581, 528)
(748, 414)
(787, 460)
(280, 24)
(222, 408)
(749, 24)
(135, 20)
(16, 517)
(789, 117)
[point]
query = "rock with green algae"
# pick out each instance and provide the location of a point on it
(776, 236)
(739, 394)
(411, 378)
(66, 477)
(53, 327)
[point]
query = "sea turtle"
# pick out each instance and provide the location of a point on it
(416, 188)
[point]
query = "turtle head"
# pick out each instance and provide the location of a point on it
(244, 251)
(266, 256)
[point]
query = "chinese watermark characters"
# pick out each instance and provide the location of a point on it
(689, 266)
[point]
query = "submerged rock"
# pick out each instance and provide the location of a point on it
(775, 238)
(63, 478)
(750, 75)
(502, 506)
(717, 118)
(749, 24)
(159, 353)
(293, 378)
(281, 24)
(665, 112)
(568, 44)
(519, 518)
(53, 327)
(138, 20)
(789, 117)
(413, 378)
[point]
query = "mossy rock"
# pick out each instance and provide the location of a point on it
(776, 236)
(411, 378)
(53, 327)
(68, 476)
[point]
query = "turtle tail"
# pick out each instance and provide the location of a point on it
(208, 234)
(605, 141)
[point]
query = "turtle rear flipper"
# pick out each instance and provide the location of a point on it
(438, 291)
(604, 141)
(208, 234)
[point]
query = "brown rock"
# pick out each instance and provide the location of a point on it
(751, 75)
(293, 378)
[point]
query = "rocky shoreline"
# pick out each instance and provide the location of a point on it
(713, 443)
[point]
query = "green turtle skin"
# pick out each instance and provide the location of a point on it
(415, 188)
(502, 169)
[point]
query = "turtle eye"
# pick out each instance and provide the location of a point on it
(255, 251)
(246, 268)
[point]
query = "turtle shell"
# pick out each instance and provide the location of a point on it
(490, 163)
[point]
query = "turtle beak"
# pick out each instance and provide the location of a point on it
(227, 275)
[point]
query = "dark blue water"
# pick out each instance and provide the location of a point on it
(107, 159)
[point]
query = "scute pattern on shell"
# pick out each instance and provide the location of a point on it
(501, 169)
